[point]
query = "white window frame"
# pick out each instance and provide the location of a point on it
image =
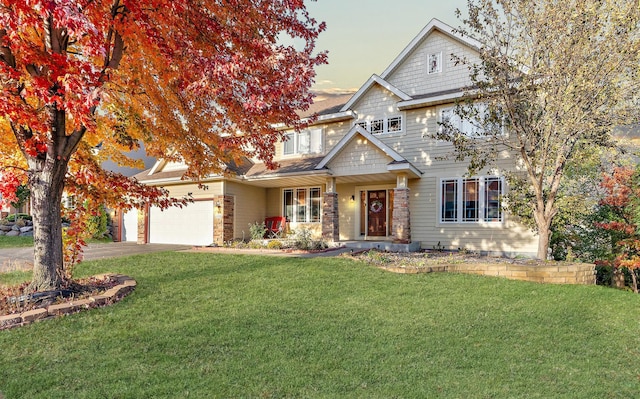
(384, 125)
(470, 128)
(465, 210)
(308, 141)
(434, 63)
(303, 213)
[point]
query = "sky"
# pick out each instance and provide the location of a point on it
(364, 36)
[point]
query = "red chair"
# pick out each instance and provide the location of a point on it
(275, 226)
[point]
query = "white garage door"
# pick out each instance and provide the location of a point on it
(190, 225)
(130, 226)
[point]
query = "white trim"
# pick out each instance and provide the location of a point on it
(438, 55)
(355, 130)
(434, 24)
(368, 84)
(460, 199)
(358, 209)
(436, 100)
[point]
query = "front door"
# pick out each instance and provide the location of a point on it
(377, 213)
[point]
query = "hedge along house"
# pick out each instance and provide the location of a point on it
(366, 172)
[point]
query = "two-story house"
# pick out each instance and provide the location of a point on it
(367, 170)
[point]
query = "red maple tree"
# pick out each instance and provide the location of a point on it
(623, 202)
(202, 81)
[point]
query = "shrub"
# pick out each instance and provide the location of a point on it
(303, 239)
(274, 244)
(12, 217)
(97, 225)
(257, 230)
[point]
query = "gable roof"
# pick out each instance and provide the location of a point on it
(434, 24)
(398, 163)
(375, 79)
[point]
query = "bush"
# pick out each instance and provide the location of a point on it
(12, 217)
(257, 230)
(97, 225)
(274, 244)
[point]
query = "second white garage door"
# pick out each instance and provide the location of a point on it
(190, 225)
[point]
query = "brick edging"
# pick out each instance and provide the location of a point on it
(125, 285)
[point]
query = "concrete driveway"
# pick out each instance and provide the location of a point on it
(22, 258)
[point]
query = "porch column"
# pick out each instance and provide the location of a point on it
(223, 212)
(401, 223)
(330, 215)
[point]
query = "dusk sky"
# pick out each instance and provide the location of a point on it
(364, 36)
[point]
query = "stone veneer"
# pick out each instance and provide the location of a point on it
(401, 223)
(579, 273)
(223, 218)
(123, 288)
(330, 218)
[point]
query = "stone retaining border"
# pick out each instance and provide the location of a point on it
(125, 285)
(579, 273)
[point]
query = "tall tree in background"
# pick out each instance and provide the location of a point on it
(204, 80)
(556, 77)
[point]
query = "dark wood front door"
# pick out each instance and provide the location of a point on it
(377, 213)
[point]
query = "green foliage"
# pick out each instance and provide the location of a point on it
(98, 224)
(257, 230)
(13, 217)
(303, 240)
(22, 195)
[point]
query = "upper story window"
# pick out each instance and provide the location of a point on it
(305, 142)
(477, 199)
(434, 63)
(383, 125)
(472, 126)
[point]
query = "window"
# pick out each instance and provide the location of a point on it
(471, 200)
(377, 126)
(434, 63)
(305, 142)
(394, 124)
(474, 125)
(468, 127)
(302, 205)
(385, 125)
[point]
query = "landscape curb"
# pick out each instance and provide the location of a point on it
(125, 285)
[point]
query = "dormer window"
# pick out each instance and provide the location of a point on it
(434, 63)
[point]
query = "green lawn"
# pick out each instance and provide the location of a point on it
(14, 242)
(224, 326)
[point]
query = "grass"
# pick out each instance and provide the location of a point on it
(15, 242)
(223, 326)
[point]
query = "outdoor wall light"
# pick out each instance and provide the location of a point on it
(353, 198)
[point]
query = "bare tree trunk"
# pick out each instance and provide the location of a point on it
(544, 236)
(46, 181)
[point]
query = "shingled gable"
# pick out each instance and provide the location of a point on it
(398, 163)
(433, 25)
(373, 80)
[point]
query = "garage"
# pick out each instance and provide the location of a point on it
(130, 226)
(190, 225)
